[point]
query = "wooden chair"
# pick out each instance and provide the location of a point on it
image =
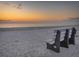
(72, 38)
(55, 46)
(65, 42)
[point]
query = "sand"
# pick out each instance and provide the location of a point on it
(32, 43)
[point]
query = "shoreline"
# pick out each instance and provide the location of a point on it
(33, 28)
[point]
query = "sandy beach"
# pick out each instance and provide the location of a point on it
(32, 43)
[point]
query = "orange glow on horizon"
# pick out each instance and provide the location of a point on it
(25, 15)
(30, 16)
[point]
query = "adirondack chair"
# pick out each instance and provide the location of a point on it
(72, 38)
(55, 45)
(65, 42)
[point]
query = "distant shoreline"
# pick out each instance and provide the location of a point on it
(33, 28)
(25, 28)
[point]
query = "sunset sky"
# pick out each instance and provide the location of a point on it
(38, 11)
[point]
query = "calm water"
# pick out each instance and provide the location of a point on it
(23, 25)
(63, 23)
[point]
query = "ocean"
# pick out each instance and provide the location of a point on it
(8, 24)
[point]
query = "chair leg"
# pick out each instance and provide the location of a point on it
(72, 41)
(54, 47)
(64, 44)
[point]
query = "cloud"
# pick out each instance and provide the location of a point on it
(6, 4)
(18, 6)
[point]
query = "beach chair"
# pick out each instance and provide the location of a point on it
(72, 38)
(65, 42)
(55, 45)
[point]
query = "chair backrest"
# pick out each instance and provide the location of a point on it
(73, 32)
(66, 34)
(57, 36)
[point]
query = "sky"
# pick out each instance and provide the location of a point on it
(38, 11)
